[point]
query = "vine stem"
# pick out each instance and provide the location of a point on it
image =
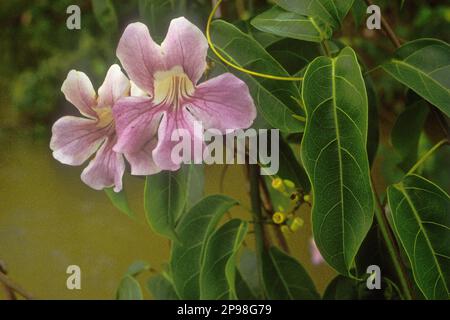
(261, 239)
(8, 283)
(392, 247)
(427, 155)
(232, 64)
(387, 28)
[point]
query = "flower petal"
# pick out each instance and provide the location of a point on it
(137, 121)
(135, 91)
(140, 56)
(75, 139)
(185, 46)
(223, 102)
(171, 122)
(142, 163)
(78, 90)
(115, 86)
(106, 169)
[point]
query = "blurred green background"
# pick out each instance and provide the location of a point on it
(49, 219)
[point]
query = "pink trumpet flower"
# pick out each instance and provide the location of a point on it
(76, 139)
(169, 74)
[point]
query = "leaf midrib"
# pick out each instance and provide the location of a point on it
(338, 140)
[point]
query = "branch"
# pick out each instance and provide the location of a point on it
(268, 207)
(387, 28)
(261, 239)
(11, 286)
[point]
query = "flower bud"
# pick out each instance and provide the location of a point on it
(296, 224)
(278, 217)
(307, 198)
(277, 184)
(289, 184)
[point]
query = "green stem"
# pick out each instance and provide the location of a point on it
(427, 155)
(260, 235)
(392, 248)
(326, 48)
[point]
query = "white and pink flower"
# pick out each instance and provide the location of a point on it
(169, 75)
(165, 97)
(75, 139)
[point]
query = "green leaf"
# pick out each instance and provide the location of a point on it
(294, 55)
(218, 269)
(290, 168)
(193, 231)
(332, 12)
(335, 157)
(161, 288)
(423, 65)
(129, 289)
(406, 132)
(137, 267)
(195, 184)
(243, 291)
(165, 199)
(343, 288)
(420, 213)
(247, 266)
(119, 200)
(105, 14)
(272, 98)
(157, 14)
(291, 25)
(359, 12)
(285, 278)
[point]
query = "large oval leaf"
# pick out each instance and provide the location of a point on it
(423, 65)
(218, 270)
(272, 98)
(165, 199)
(285, 278)
(193, 231)
(335, 157)
(291, 25)
(421, 217)
(332, 12)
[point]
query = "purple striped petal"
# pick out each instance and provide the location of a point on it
(137, 121)
(78, 90)
(223, 102)
(185, 46)
(106, 169)
(115, 86)
(180, 120)
(75, 139)
(140, 56)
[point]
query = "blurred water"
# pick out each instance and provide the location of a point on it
(49, 219)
